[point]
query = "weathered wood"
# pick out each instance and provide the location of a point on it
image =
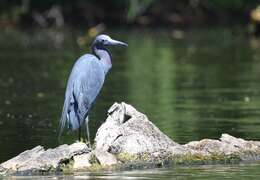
(38, 160)
(128, 138)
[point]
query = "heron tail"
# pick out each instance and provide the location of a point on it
(70, 119)
(61, 127)
(63, 119)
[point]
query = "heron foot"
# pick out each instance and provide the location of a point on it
(88, 144)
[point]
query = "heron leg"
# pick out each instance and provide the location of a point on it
(87, 131)
(79, 133)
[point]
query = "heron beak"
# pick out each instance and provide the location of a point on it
(116, 43)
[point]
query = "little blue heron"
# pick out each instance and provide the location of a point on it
(84, 84)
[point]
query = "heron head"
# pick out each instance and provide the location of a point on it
(105, 40)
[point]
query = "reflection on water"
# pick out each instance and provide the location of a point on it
(243, 171)
(200, 86)
(191, 172)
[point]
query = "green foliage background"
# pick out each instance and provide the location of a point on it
(91, 12)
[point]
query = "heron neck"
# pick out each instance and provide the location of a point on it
(104, 56)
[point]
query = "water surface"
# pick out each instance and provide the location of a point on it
(199, 85)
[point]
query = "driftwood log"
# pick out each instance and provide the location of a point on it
(127, 139)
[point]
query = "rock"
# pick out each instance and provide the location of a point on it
(22, 159)
(127, 139)
(239, 144)
(82, 161)
(105, 158)
(128, 131)
(130, 135)
(39, 160)
(226, 145)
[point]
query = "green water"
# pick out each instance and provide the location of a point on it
(198, 86)
(249, 171)
(242, 171)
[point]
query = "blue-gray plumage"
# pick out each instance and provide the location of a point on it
(84, 84)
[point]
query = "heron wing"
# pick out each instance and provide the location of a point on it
(84, 84)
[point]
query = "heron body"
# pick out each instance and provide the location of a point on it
(84, 84)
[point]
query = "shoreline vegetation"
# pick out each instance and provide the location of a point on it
(95, 17)
(58, 13)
